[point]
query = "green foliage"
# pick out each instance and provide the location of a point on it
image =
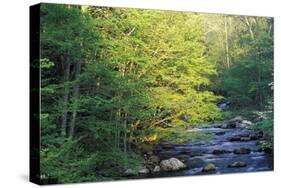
(266, 127)
(115, 76)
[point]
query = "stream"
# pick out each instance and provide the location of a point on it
(219, 150)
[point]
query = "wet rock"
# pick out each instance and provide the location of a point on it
(143, 171)
(256, 135)
(232, 123)
(237, 164)
(245, 139)
(209, 168)
(219, 152)
(156, 169)
(234, 138)
(228, 126)
(130, 172)
(172, 164)
(241, 125)
(220, 133)
(242, 151)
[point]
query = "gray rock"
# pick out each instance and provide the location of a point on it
(130, 172)
(238, 119)
(237, 164)
(241, 125)
(156, 169)
(172, 164)
(232, 123)
(219, 151)
(143, 171)
(246, 122)
(209, 168)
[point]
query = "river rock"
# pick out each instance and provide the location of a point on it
(172, 164)
(233, 123)
(156, 169)
(241, 125)
(242, 151)
(248, 123)
(234, 138)
(238, 119)
(209, 168)
(143, 171)
(237, 164)
(130, 172)
(245, 139)
(219, 151)
(220, 133)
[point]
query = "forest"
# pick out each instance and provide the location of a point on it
(121, 90)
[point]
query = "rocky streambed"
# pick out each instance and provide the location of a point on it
(233, 148)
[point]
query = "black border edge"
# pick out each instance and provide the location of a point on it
(34, 96)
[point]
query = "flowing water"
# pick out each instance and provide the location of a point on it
(198, 153)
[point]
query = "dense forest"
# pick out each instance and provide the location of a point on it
(116, 83)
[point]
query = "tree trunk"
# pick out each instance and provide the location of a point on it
(250, 28)
(226, 42)
(65, 100)
(125, 132)
(75, 98)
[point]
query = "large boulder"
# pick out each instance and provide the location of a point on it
(232, 123)
(237, 164)
(210, 167)
(172, 164)
(242, 151)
